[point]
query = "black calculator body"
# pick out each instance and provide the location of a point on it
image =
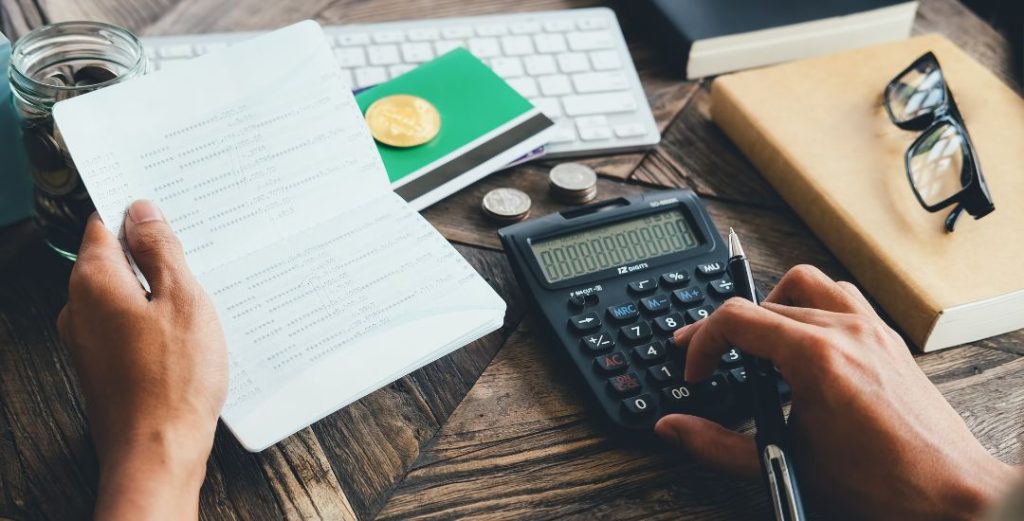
(612, 281)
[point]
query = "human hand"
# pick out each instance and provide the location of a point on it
(153, 370)
(874, 439)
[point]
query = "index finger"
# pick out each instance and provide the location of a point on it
(746, 326)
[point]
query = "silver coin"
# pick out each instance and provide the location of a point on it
(506, 203)
(93, 75)
(573, 177)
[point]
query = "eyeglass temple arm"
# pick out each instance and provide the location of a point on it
(953, 216)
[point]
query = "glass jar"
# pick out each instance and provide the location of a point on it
(54, 63)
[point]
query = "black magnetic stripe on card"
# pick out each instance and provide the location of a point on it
(473, 158)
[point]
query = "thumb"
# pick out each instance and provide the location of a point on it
(711, 444)
(154, 247)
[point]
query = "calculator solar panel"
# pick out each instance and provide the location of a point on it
(612, 281)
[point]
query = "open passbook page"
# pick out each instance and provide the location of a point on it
(328, 284)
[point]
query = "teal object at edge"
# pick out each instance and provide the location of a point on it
(15, 181)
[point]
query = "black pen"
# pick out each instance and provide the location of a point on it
(773, 440)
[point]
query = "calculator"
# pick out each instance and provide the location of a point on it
(612, 281)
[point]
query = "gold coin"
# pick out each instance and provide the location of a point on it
(403, 120)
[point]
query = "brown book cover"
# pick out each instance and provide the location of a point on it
(818, 132)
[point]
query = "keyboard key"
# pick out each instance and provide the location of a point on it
(635, 333)
(732, 356)
(711, 268)
(595, 133)
(418, 52)
(696, 314)
(605, 60)
(608, 103)
(670, 323)
(585, 322)
(517, 45)
(678, 396)
(458, 31)
(352, 39)
(176, 52)
(664, 373)
(597, 342)
(525, 85)
(555, 85)
(346, 77)
(558, 26)
(592, 121)
(573, 62)
(590, 40)
(611, 363)
(638, 406)
(675, 278)
(491, 30)
(383, 55)
(625, 384)
(643, 286)
(721, 287)
(424, 34)
(540, 65)
(596, 22)
(564, 132)
(591, 82)
(350, 56)
(623, 312)
(525, 27)
(688, 296)
(388, 37)
(550, 43)
(630, 130)
(398, 70)
(737, 375)
(367, 76)
(484, 47)
(656, 305)
(507, 67)
(549, 106)
(446, 46)
(650, 352)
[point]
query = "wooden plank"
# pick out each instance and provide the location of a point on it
(958, 23)
(17, 17)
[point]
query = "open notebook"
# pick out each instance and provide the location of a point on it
(328, 284)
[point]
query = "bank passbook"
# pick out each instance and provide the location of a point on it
(328, 285)
(612, 281)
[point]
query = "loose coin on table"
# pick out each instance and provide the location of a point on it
(403, 121)
(573, 183)
(506, 205)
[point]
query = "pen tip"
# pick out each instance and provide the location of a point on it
(735, 248)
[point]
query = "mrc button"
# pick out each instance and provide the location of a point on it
(623, 312)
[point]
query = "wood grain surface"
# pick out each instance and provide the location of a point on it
(495, 430)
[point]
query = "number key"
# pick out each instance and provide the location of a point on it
(638, 405)
(695, 314)
(636, 332)
(650, 352)
(643, 286)
(656, 304)
(669, 323)
(678, 396)
(732, 356)
(663, 373)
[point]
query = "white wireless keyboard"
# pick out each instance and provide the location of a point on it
(572, 64)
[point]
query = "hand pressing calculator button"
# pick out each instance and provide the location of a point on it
(732, 356)
(657, 262)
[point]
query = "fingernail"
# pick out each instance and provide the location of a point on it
(144, 211)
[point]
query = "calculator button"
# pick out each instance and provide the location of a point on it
(638, 332)
(669, 323)
(675, 278)
(638, 405)
(650, 352)
(688, 296)
(715, 389)
(597, 342)
(695, 314)
(711, 269)
(624, 311)
(577, 301)
(643, 286)
(625, 384)
(656, 305)
(585, 322)
(611, 363)
(721, 287)
(663, 373)
(738, 375)
(732, 356)
(678, 396)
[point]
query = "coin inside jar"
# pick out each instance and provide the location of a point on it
(506, 204)
(93, 75)
(573, 183)
(403, 121)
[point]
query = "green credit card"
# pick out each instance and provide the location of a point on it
(485, 124)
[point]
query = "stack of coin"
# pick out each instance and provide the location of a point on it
(573, 183)
(506, 205)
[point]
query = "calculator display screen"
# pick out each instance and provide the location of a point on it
(589, 251)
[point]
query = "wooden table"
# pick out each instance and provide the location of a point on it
(490, 431)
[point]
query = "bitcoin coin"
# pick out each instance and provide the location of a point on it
(403, 121)
(506, 205)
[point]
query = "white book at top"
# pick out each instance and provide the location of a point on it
(328, 285)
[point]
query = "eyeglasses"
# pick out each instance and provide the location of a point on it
(941, 164)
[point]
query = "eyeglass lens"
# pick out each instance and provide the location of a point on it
(917, 92)
(937, 164)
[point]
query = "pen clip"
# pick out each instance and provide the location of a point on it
(781, 485)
